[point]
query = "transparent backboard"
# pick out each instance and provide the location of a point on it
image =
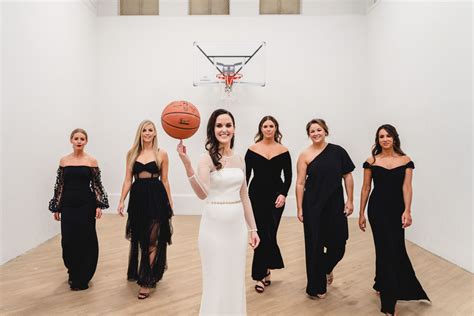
(213, 61)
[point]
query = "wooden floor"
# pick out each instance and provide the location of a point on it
(35, 283)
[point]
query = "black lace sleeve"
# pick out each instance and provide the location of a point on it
(101, 198)
(55, 203)
(287, 174)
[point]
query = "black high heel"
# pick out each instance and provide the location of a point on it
(258, 288)
(329, 278)
(267, 282)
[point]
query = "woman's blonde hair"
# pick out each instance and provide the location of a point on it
(137, 146)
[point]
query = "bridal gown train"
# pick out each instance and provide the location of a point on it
(223, 234)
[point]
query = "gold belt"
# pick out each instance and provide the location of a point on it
(223, 202)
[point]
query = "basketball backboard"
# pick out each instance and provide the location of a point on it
(229, 63)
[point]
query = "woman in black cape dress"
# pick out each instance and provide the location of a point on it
(322, 168)
(325, 223)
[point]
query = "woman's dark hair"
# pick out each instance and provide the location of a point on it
(392, 132)
(320, 122)
(212, 144)
(259, 136)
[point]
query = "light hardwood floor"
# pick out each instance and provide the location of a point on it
(35, 283)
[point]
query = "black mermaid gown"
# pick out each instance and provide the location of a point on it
(148, 226)
(264, 189)
(324, 221)
(77, 194)
(395, 278)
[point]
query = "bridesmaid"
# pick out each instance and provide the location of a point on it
(320, 201)
(149, 209)
(78, 200)
(267, 158)
(389, 214)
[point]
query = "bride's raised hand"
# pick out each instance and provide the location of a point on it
(181, 149)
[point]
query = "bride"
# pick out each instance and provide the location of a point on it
(220, 179)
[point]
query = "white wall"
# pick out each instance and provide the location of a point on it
(1, 133)
(315, 68)
(472, 142)
(48, 75)
(108, 7)
(420, 80)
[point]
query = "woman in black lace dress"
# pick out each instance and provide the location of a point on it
(321, 169)
(267, 158)
(389, 215)
(78, 200)
(149, 209)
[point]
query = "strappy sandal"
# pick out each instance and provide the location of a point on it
(330, 278)
(265, 281)
(142, 296)
(317, 296)
(258, 288)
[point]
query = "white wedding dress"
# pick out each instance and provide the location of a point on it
(223, 234)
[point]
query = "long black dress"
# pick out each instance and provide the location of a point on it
(265, 187)
(77, 194)
(324, 221)
(395, 278)
(148, 226)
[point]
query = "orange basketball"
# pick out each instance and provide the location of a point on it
(180, 119)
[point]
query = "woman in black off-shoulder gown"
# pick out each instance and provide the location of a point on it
(389, 214)
(78, 199)
(267, 192)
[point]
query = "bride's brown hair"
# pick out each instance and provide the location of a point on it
(212, 144)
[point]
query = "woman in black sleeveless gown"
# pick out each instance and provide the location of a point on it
(149, 209)
(389, 214)
(78, 200)
(267, 159)
(320, 200)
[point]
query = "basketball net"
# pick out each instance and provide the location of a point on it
(229, 80)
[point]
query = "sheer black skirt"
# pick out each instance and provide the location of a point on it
(149, 231)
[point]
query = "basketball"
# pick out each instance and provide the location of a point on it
(180, 119)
